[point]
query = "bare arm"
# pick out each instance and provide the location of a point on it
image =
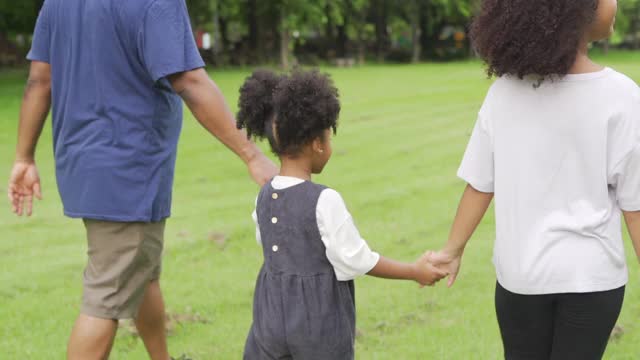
(24, 182)
(35, 108)
(206, 102)
(632, 218)
(421, 271)
(471, 210)
(473, 205)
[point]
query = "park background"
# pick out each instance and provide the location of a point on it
(410, 88)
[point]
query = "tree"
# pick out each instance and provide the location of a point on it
(19, 16)
(351, 19)
(296, 16)
(252, 21)
(199, 12)
(628, 24)
(16, 17)
(435, 14)
(381, 17)
(255, 31)
(224, 12)
(411, 11)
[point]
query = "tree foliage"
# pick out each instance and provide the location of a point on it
(286, 31)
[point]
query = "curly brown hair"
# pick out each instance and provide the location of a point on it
(303, 105)
(531, 37)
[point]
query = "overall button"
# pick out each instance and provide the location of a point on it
(274, 196)
(274, 220)
(275, 248)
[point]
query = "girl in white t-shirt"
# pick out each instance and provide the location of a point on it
(304, 303)
(557, 141)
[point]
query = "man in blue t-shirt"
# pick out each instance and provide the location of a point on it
(114, 74)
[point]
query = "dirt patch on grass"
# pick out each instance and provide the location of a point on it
(617, 333)
(219, 239)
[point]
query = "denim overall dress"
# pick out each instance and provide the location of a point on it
(300, 310)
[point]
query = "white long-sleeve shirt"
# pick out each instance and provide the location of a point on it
(346, 250)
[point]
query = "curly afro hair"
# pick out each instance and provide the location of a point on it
(300, 106)
(531, 37)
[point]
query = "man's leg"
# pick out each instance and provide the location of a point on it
(91, 338)
(151, 322)
(123, 259)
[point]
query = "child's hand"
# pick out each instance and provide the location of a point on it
(426, 274)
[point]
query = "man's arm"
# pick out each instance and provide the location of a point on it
(208, 105)
(35, 108)
(24, 182)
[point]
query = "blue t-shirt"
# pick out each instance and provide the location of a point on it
(116, 119)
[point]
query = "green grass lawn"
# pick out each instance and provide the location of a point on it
(402, 133)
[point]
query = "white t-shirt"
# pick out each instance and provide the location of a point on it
(346, 250)
(562, 160)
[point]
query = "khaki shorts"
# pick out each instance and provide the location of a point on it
(123, 259)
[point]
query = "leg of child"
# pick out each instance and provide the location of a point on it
(253, 350)
(151, 322)
(91, 338)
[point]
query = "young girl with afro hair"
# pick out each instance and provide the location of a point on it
(557, 141)
(304, 304)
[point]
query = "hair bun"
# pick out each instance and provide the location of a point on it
(256, 103)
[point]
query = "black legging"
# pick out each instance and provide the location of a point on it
(557, 326)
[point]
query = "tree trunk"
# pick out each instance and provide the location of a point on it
(224, 34)
(358, 19)
(217, 46)
(342, 40)
(361, 47)
(415, 38)
(330, 26)
(636, 29)
(252, 21)
(423, 20)
(605, 46)
(284, 41)
(381, 29)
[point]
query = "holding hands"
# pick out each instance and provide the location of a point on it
(471, 209)
(426, 273)
(446, 261)
(435, 266)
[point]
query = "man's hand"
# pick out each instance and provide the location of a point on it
(426, 274)
(262, 169)
(448, 261)
(24, 184)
